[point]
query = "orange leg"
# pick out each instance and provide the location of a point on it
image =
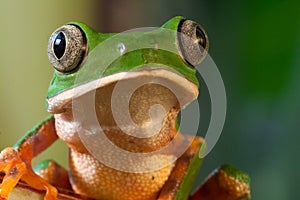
(187, 166)
(227, 183)
(54, 174)
(16, 162)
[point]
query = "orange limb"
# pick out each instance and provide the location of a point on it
(174, 182)
(54, 174)
(227, 183)
(16, 162)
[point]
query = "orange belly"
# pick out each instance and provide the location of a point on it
(90, 177)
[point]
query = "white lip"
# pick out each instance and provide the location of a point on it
(57, 103)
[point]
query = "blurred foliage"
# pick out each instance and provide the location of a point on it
(25, 71)
(255, 44)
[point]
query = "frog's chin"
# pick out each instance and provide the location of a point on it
(185, 90)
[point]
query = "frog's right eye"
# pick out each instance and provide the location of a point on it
(192, 42)
(67, 48)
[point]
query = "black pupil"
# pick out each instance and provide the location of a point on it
(59, 45)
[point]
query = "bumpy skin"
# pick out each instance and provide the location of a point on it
(88, 176)
(226, 183)
(92, 178)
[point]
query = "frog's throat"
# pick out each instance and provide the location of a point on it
(185, 90)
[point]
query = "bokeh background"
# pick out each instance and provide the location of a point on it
(255, 44)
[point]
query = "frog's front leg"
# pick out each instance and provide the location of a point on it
(15, 161)
(179, 184)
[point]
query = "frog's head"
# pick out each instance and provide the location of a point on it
(85, 61)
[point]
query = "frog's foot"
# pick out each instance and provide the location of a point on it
(54, 174)
(15, 169)
(226, 183)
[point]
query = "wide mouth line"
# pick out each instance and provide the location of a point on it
(57, 102)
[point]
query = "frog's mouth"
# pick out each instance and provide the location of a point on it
(178, 88)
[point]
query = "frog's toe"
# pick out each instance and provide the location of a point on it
(15, 168)
(10, 180)
(7, 157)
(37, 182)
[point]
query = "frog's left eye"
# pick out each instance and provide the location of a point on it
(67, 48)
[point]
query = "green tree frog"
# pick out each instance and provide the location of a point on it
(86, 64)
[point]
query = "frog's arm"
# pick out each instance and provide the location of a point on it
(226, 183)
(180, 182)
(37, 139)
(16, 161)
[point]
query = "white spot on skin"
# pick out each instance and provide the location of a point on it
(121, 48)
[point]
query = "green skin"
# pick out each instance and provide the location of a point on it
(130, 61)
(63, 81)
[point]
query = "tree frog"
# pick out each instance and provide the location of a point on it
(160, 64)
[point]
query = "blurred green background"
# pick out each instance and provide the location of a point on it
(255, 44)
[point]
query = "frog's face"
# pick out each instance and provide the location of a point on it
(83, 59)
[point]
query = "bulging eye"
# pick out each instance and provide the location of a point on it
(192, 42)
(67, 48)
